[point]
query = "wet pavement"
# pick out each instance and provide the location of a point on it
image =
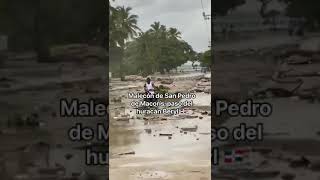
(32, 91)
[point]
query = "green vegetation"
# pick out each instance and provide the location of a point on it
(162, 89)
(159, 49)
(206, 60)
(309, 9)
(122, 27)
(224, 7)
(39, 24)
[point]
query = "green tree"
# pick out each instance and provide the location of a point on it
(122, 27)
(174, 33)
(205, 59)
(159, 49)
(223, 7)
(308, 9)
(39, 24)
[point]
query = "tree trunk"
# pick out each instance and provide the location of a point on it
(162, 71)
(40, 46)
(122, 74)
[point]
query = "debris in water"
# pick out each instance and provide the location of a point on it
(190, 129)
(302, 162)
(127, 153)
(165, 134)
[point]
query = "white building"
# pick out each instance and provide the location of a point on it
(187, 67)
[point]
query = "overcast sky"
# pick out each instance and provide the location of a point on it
(185, 15)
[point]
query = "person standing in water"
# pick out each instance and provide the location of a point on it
(149, 89)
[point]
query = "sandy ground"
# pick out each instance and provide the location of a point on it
(186, 155)
(290, 133)
(290, 148)
(30, 88)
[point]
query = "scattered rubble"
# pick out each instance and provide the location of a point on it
(127, 153)
(77, 52)
(190, 129)
(134, 78)
(288, 176)
(149, 131)
(302, 162)
(202, 86)
(294, 76)
(188, 116)
(165, 134)
(124, 117)
(166, 81)
(27, 120)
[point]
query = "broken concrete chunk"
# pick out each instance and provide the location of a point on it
(302, 162)
(187, 116)
(134, 78)
(288, 176)
(127, 153)
(190, 129)
(204, 112)
(167, 81)
(297, 59)
(148, 131)
(121, 118)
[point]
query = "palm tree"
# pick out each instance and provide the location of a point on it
(155, 27)
(122, 27)
(125, 25)
(174, 33)
(113, 38)
(158, 29)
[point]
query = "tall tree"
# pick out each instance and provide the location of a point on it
(223, 7)
(123, 26)
(205, 59)
(158, 50)
(174, 33)
(38, 24)
(308, 9)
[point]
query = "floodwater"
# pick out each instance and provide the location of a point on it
(161, 146)
(290, 119)
(290, 132)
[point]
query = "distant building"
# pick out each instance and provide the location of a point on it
(187, 67)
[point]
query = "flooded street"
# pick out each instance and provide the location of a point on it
(34, 138)
(290, 145)
(160, 146)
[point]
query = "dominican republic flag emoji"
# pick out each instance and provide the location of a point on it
(236, 155)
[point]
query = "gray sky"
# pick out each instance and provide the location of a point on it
(185, 15)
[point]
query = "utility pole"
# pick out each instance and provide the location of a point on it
(207, 17)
